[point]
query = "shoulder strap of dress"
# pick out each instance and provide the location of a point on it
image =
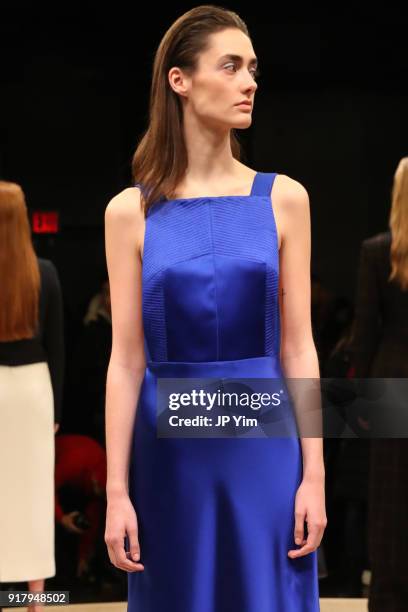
(263, 182)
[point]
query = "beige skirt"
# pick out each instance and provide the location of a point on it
(27, 459)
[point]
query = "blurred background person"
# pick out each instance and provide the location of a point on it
(88, 367)
(31, 380)
(347, 461)
(380, 350)
(80, 469)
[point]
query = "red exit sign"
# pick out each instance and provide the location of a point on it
(45, 222)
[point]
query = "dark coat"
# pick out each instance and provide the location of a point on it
(380, 349)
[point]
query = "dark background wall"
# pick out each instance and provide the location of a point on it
(330, 112)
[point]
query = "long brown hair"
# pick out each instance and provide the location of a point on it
(160, 160)
(398, 224)
(19, 270)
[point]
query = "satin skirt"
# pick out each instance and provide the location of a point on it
(215, 515)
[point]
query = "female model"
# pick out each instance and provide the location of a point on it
(31, 379)
(380, 350)
(199, 260)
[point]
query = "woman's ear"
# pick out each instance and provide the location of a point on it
(178, 80)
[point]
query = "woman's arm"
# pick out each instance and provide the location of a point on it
(123, 223)
(299, 360)
(53, 335)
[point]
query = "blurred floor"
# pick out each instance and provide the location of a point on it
(326, 605)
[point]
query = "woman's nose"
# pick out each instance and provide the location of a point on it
(250, 83)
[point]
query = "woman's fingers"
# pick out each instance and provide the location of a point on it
(134, 547)
(123, 562)
(299, 527)
(315, 534)
(119, 556)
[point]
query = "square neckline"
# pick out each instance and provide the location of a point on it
(218, 197)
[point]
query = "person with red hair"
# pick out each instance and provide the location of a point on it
(32, 366)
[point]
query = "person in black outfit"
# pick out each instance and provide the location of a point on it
(88, 369)
(380, 350)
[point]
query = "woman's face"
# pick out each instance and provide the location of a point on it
(225, 76)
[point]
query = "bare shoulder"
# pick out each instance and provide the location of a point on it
(290, 201)
(289, 192)
(125, 213)
(125, 204)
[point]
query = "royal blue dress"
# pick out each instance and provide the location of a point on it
(215, 515)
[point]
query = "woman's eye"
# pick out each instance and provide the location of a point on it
(255, 72)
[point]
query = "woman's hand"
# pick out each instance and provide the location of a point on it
(68, 520)
(121, 520)
(309, 507)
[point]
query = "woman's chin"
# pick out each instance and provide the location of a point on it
(244, 123)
